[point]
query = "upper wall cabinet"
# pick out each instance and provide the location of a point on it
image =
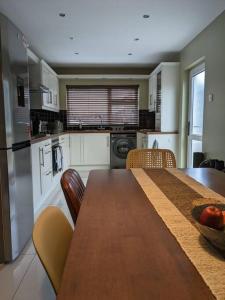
(164, 96)
(44, 86)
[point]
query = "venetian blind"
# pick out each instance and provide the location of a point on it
(111, 104)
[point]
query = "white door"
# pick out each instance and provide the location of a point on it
(196, 111)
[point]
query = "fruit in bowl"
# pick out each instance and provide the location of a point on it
(209, 222)
(213, 217)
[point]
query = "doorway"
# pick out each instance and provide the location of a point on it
(196, 111)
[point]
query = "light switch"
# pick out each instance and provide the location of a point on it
(210, 97)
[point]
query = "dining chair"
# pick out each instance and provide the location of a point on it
(73, 189)
(150, 158)
(52, 234)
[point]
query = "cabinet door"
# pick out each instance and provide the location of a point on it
(44, 76)
(76, 149)
(67, 151)
(46, 182)
(152, 93)
(96, 148)
(36, 176)
(64, 142)
(164, 141)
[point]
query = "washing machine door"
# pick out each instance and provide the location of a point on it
(122, 146)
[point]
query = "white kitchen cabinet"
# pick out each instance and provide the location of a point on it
(41, 171)
(46, 165)
(36, 175)
(163, 141)
(152, 93)
(164, 92)
(96, 149)
(76, 149)
(89, 149)
(142, 140)
(41, 75)
(65, 144)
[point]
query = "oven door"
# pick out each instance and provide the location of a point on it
(57, 159)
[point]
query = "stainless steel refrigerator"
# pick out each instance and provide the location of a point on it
(16, 204)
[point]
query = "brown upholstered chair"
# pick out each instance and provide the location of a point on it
(73, 189)
(150, 158)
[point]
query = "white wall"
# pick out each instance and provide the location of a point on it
(209, 45)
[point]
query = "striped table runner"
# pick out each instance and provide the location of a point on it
(171, 192)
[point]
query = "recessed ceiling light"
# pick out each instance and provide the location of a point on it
(145, 16)
(77, 53)
(62, 15)
(71, 38)
(130, 53)
(136, 39)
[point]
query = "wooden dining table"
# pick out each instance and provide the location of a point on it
(123, 246)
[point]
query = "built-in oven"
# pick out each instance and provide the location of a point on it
(57, 156)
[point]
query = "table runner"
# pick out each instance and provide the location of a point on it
(171, 193)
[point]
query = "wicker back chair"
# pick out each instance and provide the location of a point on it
(150, 158)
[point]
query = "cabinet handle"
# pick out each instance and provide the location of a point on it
(42, 162)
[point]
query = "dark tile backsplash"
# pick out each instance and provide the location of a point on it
(146, 119)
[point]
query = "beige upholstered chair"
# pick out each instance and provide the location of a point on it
(52, 234)
(150, 158)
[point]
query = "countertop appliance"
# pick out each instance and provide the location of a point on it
(120, 144)
(55, 127)
(16, 203)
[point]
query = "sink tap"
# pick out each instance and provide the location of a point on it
(100, 117)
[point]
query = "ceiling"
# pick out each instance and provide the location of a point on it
(103, 31)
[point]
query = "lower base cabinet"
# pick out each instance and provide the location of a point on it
(90, 149)
(161, 141)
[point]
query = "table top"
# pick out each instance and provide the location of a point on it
(121, 248)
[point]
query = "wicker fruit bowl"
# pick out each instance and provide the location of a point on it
(215, 236)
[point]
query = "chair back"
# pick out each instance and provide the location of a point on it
(52, 235)
(73, 189)
(150, 158)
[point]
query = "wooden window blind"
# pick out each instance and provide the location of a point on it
(111, 104)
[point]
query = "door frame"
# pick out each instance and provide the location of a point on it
(193, 72)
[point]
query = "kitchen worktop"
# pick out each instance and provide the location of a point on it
(40, 138)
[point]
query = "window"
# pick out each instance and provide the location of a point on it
(110, 105)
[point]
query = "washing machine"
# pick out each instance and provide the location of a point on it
(120, 144)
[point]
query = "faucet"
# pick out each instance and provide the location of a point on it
(100, 117)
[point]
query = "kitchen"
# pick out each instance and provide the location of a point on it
(83, 112)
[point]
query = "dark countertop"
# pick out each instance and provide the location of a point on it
(40, 138)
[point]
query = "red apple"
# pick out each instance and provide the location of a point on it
(212, 216)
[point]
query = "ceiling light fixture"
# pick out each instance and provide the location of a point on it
(77, 53)
(62, 15)
(71, 38)
(145, 16)
(136, 39)
(130, 53)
